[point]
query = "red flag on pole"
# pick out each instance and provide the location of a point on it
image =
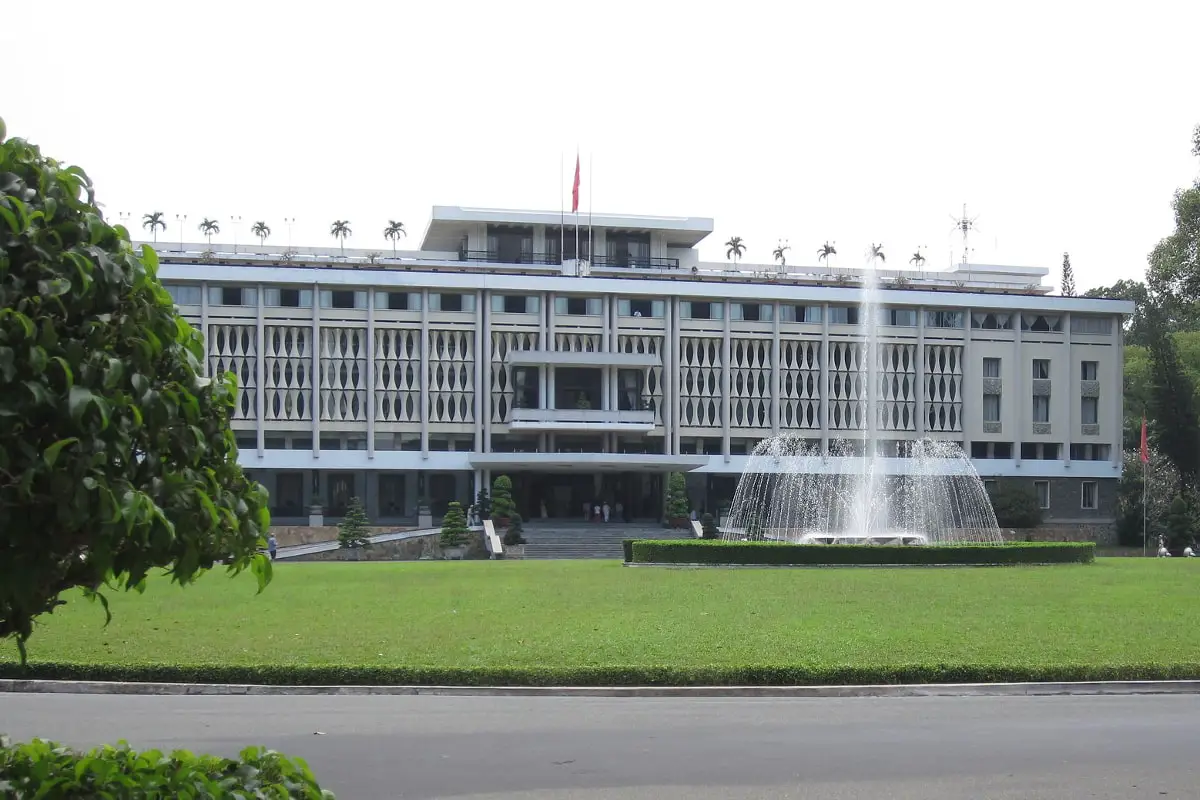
(1145, 450)
(575, 188)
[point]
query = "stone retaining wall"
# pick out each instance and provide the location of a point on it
(411, 549)
(289, 535)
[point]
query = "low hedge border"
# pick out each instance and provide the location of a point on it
(718, 552)
(615, 675)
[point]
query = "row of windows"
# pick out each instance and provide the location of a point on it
(1089, 494)
(184, 294)
(1088, 370)
(1040, 451)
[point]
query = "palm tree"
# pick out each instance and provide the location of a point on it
(209, 227)
(825, 252)
(917, 259)
(339, 230)
(262, 231)
(877, 253)
(153, 222)
(780, 253)
(735, 248)
(393, 231)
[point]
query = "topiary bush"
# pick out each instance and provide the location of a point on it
(454, 527)
(699, 551)
(45, 769)
(503, 506)
(515, 535)
(352, 530)
(678, 505)
(708, 526)
(116, 456)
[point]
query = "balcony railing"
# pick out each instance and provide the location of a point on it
(581, 419)
(555, 260)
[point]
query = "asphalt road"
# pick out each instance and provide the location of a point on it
(591, 749)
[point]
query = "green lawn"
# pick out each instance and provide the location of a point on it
(567, 616)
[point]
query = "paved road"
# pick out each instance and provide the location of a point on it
(1031, 748)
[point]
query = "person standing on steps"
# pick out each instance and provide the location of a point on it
(606, 510)
(620, 509)
(272, 545)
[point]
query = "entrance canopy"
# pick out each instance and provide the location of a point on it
(587, 462)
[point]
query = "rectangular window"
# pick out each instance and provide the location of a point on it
(288, 298)
(901, 317)
(331, 443)
(184, 295)
(341, 489)
(1089, 497)
(991, 408)
(1002, 450)
(943, 319)
(1089, 410)
(1089, 371)
(751, 312)
(991, 321)
(579, 306)
(514, 304)
(452, 301)
(1042, 489)
(1090, 452)
(991, 368)
(1041, 369)
(232, 296)
(696, 309)
(979, 449)
(391, 494)
(1041, 323)
(1041, 408)
(288, 500)
(637, 307)
(791, 313)
(843, 315)
(343, 298)
(398, 301)
(1091, 325)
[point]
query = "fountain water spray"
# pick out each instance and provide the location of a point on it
(791, 491)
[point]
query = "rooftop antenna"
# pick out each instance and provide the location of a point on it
(965, 225)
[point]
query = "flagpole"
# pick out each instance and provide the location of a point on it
(576, 204)
(591, 255)
(1143, 509)
(562, 214)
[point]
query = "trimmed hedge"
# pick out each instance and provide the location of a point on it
(701, 551)
(40, 768)
(610, 675)
(627, 548)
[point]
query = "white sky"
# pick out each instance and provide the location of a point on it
(1063, 125)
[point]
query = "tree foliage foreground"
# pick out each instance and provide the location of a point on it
(116, 456)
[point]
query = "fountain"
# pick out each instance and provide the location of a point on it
(790, 491)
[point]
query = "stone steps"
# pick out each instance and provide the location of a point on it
(589, 540)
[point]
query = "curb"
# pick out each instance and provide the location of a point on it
(1086, 688)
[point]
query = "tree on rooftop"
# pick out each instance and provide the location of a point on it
(1068, 277)
(262, 231)
(735, 248)
(154, 222)
(116, 456)
(339, 230)
(209, 227)
(780, 253)
(393, 233)
(825, 252)
(917, 259)
(877, 254)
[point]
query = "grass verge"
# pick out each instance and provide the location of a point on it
(598, 623)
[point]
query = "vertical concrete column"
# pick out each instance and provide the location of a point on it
(1073, 414)
(606, 376)
(775, 367)
(725, 387)
(1117, 415)
(548, 346)
(666, 353)
(370, 376)
(1019, 421)
(825, 378)
(676, 418)
(260, 376)
(920, 354)
(483, 319)
(482, 357)
(425, 374)
(316, 371)
(204, 327)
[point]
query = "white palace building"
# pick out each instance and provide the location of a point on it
(412, 377)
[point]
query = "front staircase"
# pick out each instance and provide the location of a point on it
(558, 539)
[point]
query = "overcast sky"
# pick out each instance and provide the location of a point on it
(1065, 126)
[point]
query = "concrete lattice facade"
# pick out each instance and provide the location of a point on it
(421, 375)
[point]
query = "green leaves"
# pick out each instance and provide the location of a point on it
(46, 769)
(114, 447)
